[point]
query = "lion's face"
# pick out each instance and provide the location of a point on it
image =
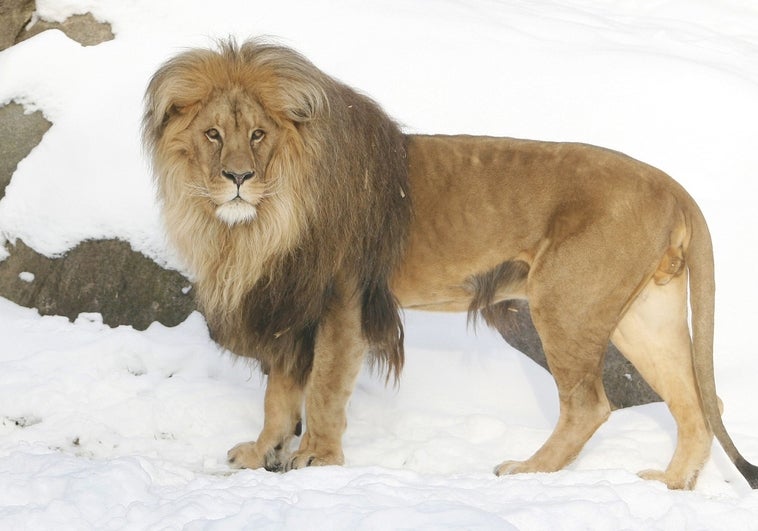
(233, 141)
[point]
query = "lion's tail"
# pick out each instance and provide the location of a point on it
(702, 301)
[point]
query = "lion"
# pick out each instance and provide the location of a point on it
(308, 219)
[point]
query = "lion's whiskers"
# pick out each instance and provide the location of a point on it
(197, 190)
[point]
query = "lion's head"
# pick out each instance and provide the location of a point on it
(277, 183)
(224, 140)
(233, 140)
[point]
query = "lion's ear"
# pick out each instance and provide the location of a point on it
(156, 113)
(285, 82)
(303, 102)
(175, 90)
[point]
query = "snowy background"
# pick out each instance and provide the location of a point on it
(106, 428)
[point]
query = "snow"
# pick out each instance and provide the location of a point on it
(105, 428)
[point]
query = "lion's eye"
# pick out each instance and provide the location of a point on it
(257, 135)
(213, 135)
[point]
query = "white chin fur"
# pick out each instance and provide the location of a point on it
(235, 212)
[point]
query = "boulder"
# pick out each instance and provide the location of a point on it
(84, 29)
(20, 132)
(15, 15)
(103, 276)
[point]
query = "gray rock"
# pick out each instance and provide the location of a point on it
(623, 384)
(14, 16)
(19, 133)
(84, 29)
(104, 276)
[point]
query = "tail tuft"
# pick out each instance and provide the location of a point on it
(749, 471)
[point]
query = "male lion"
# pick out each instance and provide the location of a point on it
(306, 216)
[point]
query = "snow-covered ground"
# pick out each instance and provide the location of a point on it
(106, 428)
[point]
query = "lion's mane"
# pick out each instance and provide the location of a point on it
(335, 226)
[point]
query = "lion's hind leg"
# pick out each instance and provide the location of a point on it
(576, 361)
(575, 350)
(654, 336)
(574, 318)
(282, 422)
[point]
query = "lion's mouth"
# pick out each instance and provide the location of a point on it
(236, 211)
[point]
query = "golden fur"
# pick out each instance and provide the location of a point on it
(290, 197)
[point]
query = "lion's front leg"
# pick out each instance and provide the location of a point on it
(339, 352)
(283, 409)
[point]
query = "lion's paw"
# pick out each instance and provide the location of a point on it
(249, 455)
(304, 458)
(507, 468)
(674, 483)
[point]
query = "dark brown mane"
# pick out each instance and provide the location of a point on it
(354, 241)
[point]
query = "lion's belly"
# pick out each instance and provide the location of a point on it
(431, 296)
(444, 277)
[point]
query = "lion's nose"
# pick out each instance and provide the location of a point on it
(238, 178)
